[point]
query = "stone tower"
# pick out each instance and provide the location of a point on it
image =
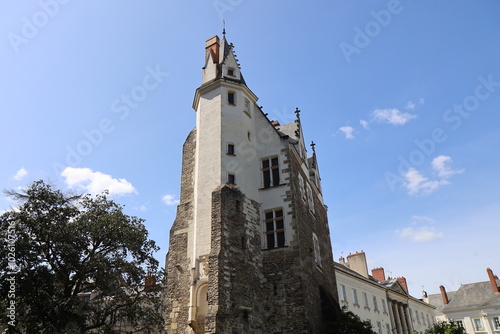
(250, 247)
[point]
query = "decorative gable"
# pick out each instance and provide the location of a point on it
(397, 287)
(230, 66)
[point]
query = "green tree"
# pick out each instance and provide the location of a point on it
(75, 264)
(444, 327)
(349, 323)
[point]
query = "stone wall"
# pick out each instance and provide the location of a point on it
(235, 291)
(304, 295)
(250, 290)
(321, 302)
(178, 264)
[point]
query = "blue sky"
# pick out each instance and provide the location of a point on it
(402, 99)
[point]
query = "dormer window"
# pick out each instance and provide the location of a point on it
(230, 71)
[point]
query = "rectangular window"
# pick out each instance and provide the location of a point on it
(343, 296)
(379, 327)
(231, 98)
(230, 149)
(496, 322)
(275, 228)
(384, 306)
(423, 318)
(271, 172)
(478, 324)
(231, 179)
(230, 71)
(375, 305)
(355, 297)
(416, 314)
(365, 299)
(460, 323)
(388, 327)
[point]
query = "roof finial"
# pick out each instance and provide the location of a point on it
(223, 27)
(312, 146)
(297, 112)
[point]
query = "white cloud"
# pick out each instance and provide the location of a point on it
(348, 131)
(141, 208)
(410, 105)
(364, 123)
(424, 233)
(441, 165)
(416, 182)
(169, 200)
(96, 182)
(392, 116)
(420, 234)
(20, 174)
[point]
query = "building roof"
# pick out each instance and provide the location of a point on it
(289, 129)
(472, 295)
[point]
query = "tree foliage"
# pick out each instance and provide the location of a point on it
(79, 264)
(349, 323)
(444, 327)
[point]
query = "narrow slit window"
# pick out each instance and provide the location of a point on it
(231, 98)
(231, 179)
(317, 250)
(230, 149)
(246, 108)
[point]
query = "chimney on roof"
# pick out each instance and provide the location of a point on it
(444, 295)
(402, 281)
(493, 280)
(379, 274)
(275, 123)
(212, 46)
(357, 262)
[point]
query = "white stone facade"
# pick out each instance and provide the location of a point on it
(474, 306)
(385, 303)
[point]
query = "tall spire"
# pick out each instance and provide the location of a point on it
(223, 28)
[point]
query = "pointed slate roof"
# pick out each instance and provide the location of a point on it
(228, 52)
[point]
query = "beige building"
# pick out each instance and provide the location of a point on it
(385, 302)
(474, 306)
